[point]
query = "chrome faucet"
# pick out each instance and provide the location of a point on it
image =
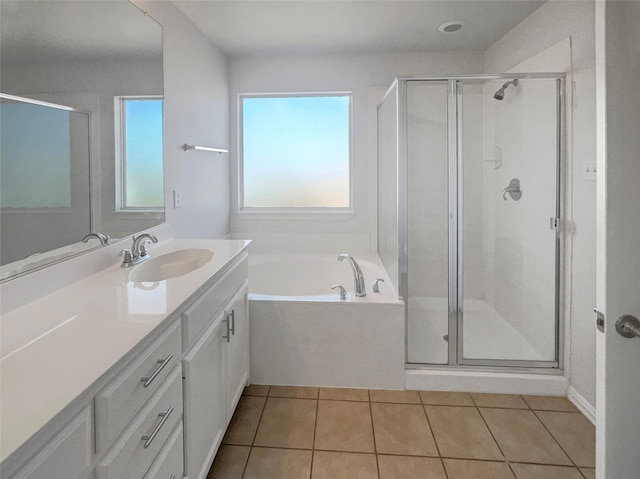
(104, 239)
(358, 277)
(138, 251)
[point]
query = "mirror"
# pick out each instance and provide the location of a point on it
(80, 130)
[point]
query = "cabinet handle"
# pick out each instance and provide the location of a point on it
(233, 321)
(228, 323)
(148, 438)
(149, 379)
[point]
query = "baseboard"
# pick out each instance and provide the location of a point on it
(581, 403)
(486, 382)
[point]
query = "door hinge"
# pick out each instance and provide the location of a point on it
(554, 223)
(599, 320)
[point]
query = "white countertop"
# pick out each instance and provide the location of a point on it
(54, 348)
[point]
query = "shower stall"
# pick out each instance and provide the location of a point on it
(469, 208)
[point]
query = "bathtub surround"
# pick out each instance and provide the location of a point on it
(302, 333)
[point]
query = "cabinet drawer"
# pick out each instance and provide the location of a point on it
(129, 458)
(118, 402)
(68, 455)
(170, 462)
(206, 307)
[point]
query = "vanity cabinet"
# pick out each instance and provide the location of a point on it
(122, 398)
(137, 448)
(162, 412)
(170, 461)
(216, 367)
(68, 455)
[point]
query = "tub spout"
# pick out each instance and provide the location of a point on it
(358, 277)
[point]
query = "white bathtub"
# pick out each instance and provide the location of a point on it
(309, 277)
(303, 334)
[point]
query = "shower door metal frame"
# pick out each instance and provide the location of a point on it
(455, 236)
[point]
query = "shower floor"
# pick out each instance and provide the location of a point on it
(486, 334)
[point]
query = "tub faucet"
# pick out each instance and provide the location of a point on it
(358, 277)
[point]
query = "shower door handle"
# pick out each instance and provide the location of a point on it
(514, 189)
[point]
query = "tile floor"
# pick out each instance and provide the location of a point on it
(323, 433)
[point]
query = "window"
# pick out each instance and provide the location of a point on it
(36, 150)
(295, 152)
(139, 161)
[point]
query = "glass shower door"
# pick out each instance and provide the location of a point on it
(427, 217)
(508, 284)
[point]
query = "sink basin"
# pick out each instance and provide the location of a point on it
(170, 265)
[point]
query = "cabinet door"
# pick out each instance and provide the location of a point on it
(237, 361)
(204, 399)
(68, 455)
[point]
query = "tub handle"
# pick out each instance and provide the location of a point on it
(343, 292)
(375, 287)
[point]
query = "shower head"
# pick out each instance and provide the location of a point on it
(499, 95)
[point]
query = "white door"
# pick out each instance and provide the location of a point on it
(618, 237)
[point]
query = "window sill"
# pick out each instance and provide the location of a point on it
(139, 214)
(307, 214)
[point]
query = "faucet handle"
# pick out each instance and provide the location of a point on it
(375, 287)
(128, 257)
(343, 292)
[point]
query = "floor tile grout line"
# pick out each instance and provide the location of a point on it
(373, 432)
(315, 432)
(554, 438)
(255, 434)
(492, 435)
(433, 435)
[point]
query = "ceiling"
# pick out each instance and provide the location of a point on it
(57, 30)
(245, 27)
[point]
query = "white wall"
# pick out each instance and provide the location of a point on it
(548, 25)
(324, 73)
(196, 111)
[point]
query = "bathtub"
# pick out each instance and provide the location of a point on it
(303, 334)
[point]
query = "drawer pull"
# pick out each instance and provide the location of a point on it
(149, 379)
(232, 315)
(228, 324)
(148, 438)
